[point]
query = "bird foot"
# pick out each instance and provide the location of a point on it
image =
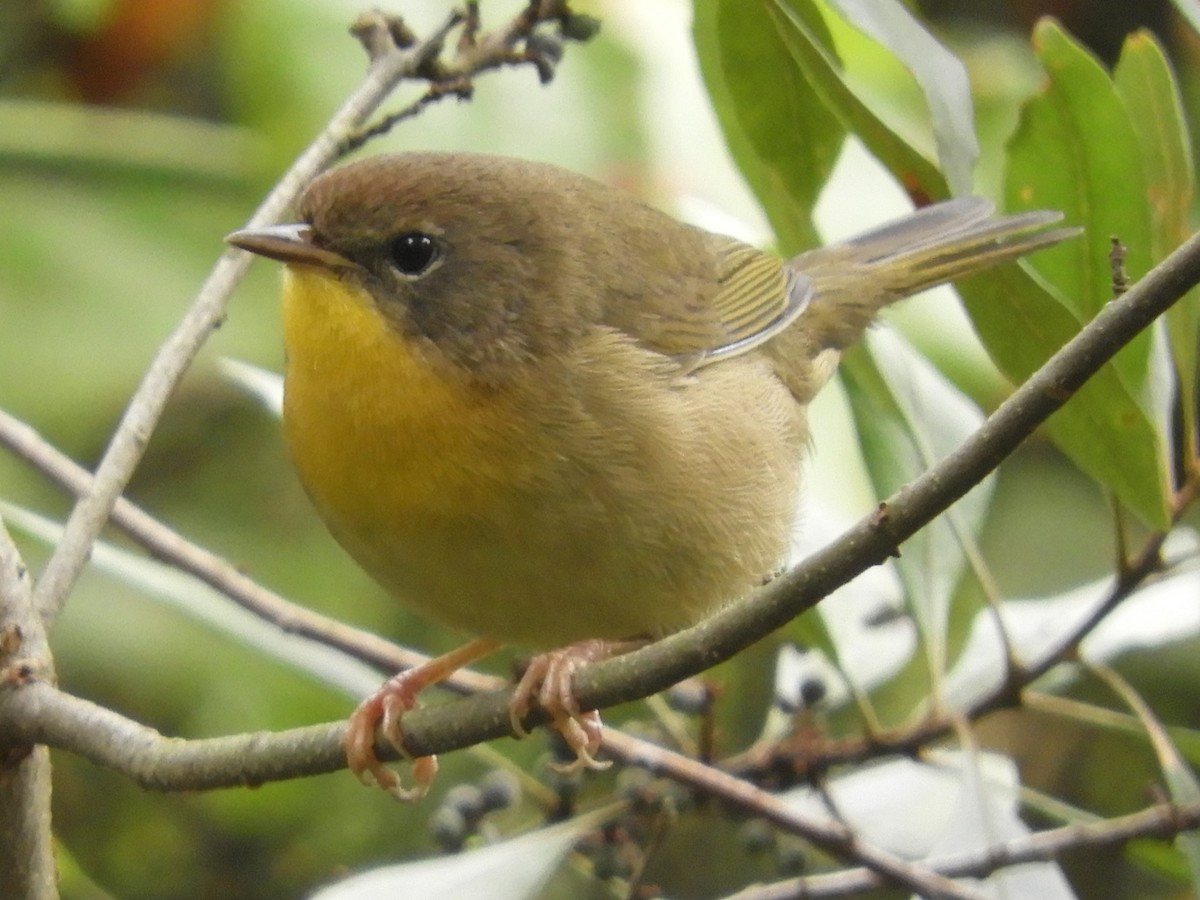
(549, 680)
(386, 707)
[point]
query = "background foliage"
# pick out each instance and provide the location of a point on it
(133, 135)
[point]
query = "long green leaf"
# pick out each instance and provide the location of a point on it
(1076, 150)
(793, 19)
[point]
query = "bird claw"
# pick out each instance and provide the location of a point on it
(582, 732)
(384, 708)
(550, 679)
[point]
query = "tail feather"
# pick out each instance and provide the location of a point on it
(855, 279)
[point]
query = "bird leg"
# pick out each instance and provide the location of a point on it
(549, 679)
(387, 705)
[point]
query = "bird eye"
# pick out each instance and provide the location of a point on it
(414, 252)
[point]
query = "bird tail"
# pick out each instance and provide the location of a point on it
(855, 279)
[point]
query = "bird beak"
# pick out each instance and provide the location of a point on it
(291, 244)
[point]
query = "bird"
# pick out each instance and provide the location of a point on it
(547, 414)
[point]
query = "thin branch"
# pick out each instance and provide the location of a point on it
(781, 758)
(46, 715)
(517, 43)
(1163, 821)
(159, 763)
(43, 713)
(26, 843)
(877, 536)
(839, 840)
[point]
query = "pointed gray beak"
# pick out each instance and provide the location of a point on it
(290, 244)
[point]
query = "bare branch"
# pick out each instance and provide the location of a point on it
(159, 763)
(26, 843)
(519, 42)
(169, 546)
(1163, 821)
(795, 763)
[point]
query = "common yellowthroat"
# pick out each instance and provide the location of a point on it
(545, 413)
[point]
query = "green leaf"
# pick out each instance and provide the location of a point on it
(1102, 429)
(1145, 82)
(1080, 123)
(785, 105)
(1076, 150)
(940, 74)
(780, 132)
(1147, 85)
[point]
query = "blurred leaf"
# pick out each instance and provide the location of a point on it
(941, 75)
(1190, 10)
(917, 810)
(96, 268)
(1158, 857)
(785, 105)
(784, 138)
(985, 813)
(80, 16)
(824, 656)
(283, 75)
(260, 384)
(1146, 83)
(1157, 615)
(514, 869)
(72, 137)
(73, 880)
(875, 642)
(908, 417)
(1101, 429)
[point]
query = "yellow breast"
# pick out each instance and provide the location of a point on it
(383, 438)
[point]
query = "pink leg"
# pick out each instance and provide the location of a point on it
(386, 706)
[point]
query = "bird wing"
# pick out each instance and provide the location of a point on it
(742, 299)
(758, 297)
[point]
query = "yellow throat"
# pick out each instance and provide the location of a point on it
(379, 432)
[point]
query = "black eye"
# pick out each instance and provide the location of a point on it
(414, 252)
